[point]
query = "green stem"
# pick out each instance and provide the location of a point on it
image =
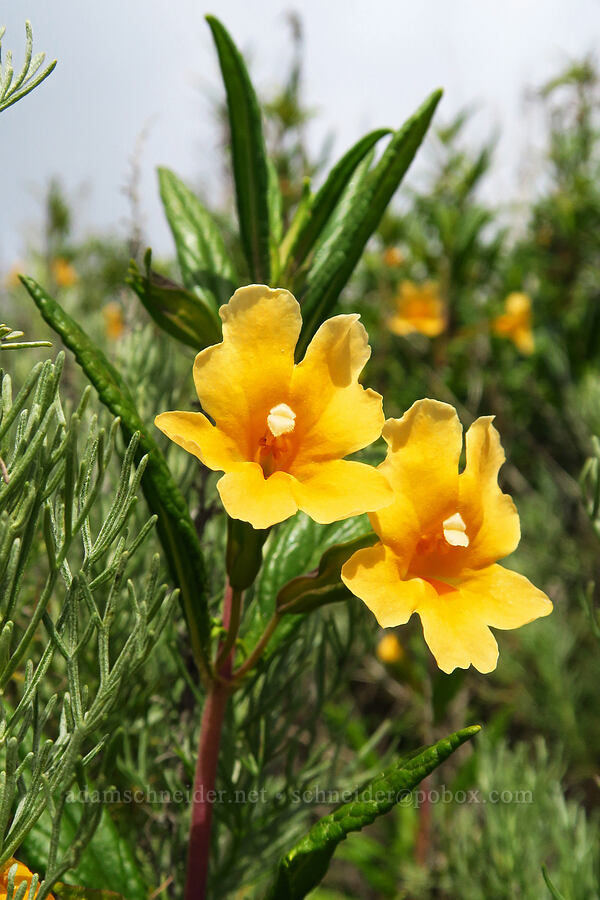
(232, 631)
(258, 651)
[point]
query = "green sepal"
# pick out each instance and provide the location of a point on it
(331, 271)
(326, 199)
(182, 314)
(305, 865)
(174, 525)
(324, 585)
(244, 553)
(206, 267)
(248, 155)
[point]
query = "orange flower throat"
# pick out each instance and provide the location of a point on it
(275, 444)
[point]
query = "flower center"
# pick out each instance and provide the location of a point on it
(455, 531)
(274, 445)
(281, 420)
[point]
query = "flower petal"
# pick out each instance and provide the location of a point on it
(491, 516)
(372, 574)
(246, 494)
(456, 633)
(194, 433)
(337, 489)
(503, 598)
(335, 414)
(424, 448)
(239, 380)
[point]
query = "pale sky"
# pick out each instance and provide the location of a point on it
(129, 65)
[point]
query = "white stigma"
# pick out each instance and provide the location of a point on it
(455, 531)
(281, 420)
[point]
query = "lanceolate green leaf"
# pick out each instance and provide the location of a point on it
(324, 585)
(206, 267)
(183, 315)
(326, 199)
(292, 549)
(175, 527)
(305, 865)
(248, 155)
(330, 272)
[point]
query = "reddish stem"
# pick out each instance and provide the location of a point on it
(211, 726)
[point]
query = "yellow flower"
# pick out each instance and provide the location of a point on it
(113, 320)
(441, 538)
(281, 430)
(22, 875)
(63, 272)
(389, 649)
(393, 257)
(515, 323)
(419, 307)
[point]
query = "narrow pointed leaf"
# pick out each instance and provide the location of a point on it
(330, 273)
(206, 267)
(248, 155)
(180, 313)
(175, 527)
(327, 198)
(307, 592)
(292, 549)
(305, 865)
(275, 218)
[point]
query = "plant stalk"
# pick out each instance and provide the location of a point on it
(211, 727)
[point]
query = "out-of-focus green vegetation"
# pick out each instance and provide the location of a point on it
(525, 796)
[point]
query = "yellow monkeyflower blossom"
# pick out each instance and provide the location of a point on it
(441, 538)
(419, 308)
(23, 874)
(281, 430)
(393, 257)
(389, 649)
(63, 272)
(515, 323)
(113, 320)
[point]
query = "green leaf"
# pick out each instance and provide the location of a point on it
(324, 585)
(295, 547)
(175, 526)
(107, 864)
(183, 315)
(326, 199)
(275, 214)
(206, 267)
(331, 271)
(248, 155)
(305, 865)
(554, 892)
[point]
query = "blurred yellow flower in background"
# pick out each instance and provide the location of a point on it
(114, 324)
(389, 649)
(419, 308)
(515, 323)
(393, 257)
(281, 430)
(441, 538)
(63, 272)
(12, 276)
(23, 874)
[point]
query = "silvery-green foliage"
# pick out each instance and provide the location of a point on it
(31, 74)
(63, 589)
